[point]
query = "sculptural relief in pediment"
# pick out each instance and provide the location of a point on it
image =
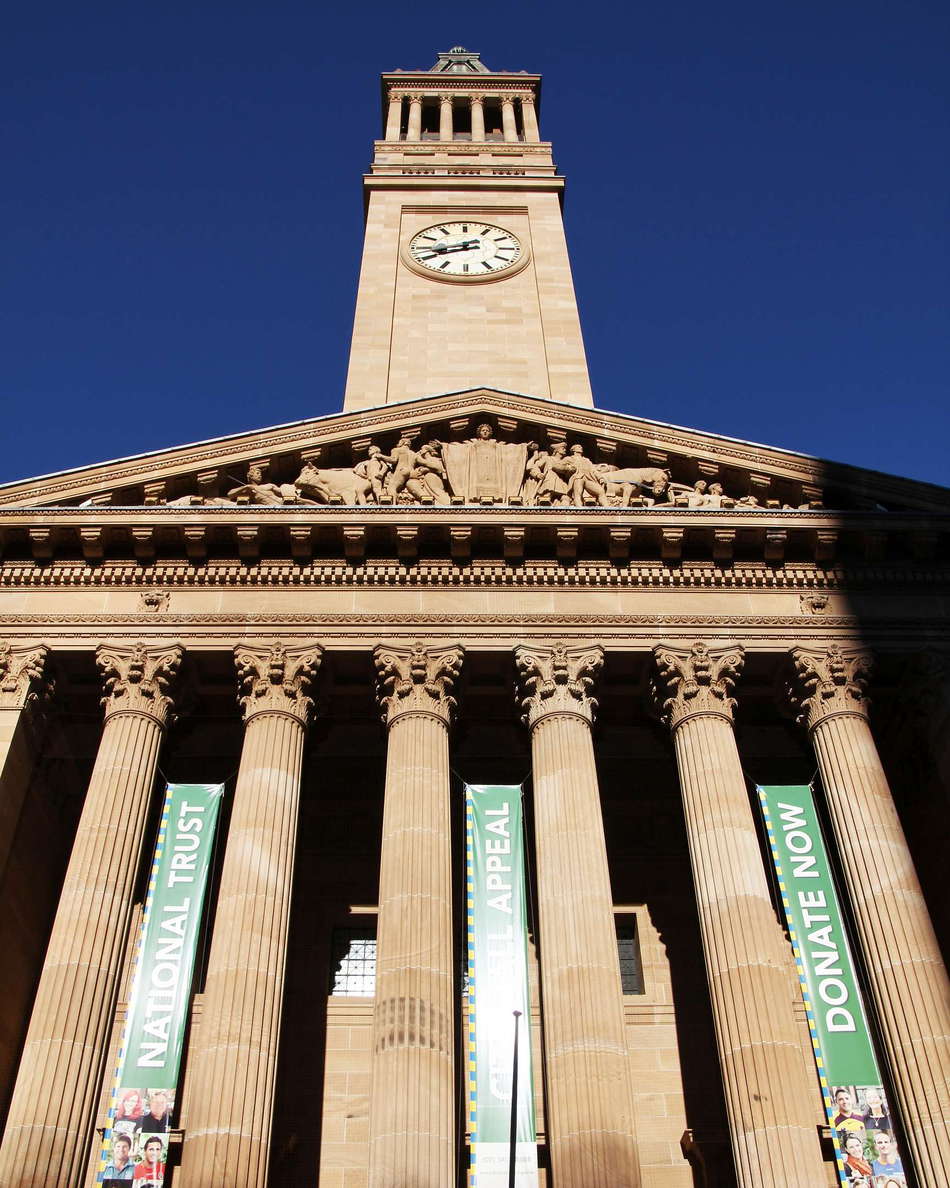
(481, 469)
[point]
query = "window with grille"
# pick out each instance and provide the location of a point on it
(353, 962)
(628, 953)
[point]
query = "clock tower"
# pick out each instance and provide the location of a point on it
(465, 280)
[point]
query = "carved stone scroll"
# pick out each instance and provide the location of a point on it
(23, 677)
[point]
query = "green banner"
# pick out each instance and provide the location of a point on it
(498, 1001)
(135, 1145)
(860, 1120)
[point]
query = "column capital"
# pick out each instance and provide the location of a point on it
(507, 98)
(446, 97)
(417, 680)
(137, 679)
(24, 679)
(479, 99)
(274, 679)
(695, 681)
(826, 682)
(557, 680)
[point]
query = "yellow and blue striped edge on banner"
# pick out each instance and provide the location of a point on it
(803, 983)
(470, 942)
(106, 1153)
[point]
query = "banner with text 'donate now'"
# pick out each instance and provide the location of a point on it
(861, 1121)
(498, 1000)
(135, 1144)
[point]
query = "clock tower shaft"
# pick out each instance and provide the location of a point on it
(462, 146)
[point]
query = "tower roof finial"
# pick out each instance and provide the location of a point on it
(459, 60)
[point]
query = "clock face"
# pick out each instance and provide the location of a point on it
(465, 250)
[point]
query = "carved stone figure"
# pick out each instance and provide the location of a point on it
(403, 461)
(485, 468)
(375, 469)
(426, 481)
(323, 486)
(585, 479)
(623, 482)
(255, 490)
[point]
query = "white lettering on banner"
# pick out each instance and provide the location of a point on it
(825, 953)
(495, 880)
(161, 994)
(185, 841)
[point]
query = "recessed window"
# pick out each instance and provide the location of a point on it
(353, 962)
(628, 954)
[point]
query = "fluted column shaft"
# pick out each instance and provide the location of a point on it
(394, 115)
(529, 116)
(414, 128)
(590, 1099)
(509, 125)
(232, 1066)
(413, 1099)
(478, 118)
(52, 1115)
(905, 970)
(445, 117)
(23, 687)
(769, 1100)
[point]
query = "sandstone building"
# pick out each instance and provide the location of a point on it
(635, 620)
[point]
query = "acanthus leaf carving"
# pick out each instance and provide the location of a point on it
(559, 679)
(829, 681)
(277, 679)
(24, 679)
(138, 679)
(417, 679)
(689, 682)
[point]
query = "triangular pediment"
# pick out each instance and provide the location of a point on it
(748, 474)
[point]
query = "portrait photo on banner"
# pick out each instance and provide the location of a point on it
(869, 1150)
(140, 1133)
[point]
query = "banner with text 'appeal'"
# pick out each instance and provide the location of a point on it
(497, 988)
(135, 1145)
(865, 1143)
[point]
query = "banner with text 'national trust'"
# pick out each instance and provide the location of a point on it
(497, 988)
(865, 1143)
(135, 1145)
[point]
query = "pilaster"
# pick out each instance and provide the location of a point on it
(907, 976)
(232, 1067)
(768, 1098)
(591, 1119)
(52, 1113)
(413, 1100)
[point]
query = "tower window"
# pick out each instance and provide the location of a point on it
(628, 954)
(462, 119)
(353, 962)
(493, 126)
(430, 120)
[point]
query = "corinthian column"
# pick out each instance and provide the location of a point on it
(23, 687)
(52, 1114)
(230, 1092)
(412, 1107)
(769, 1100)
(590, 1110)
(905, 971)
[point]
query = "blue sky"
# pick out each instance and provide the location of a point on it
(756, 211)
